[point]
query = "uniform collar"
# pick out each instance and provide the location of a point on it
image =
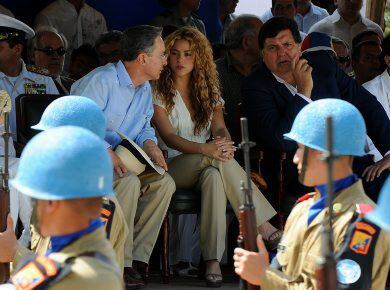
(60, 242)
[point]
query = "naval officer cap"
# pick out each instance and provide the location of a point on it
(12, 28)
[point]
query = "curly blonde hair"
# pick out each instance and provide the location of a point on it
(204, 82)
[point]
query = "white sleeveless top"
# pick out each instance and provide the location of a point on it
(182, 124)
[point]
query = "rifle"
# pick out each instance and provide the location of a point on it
(5, 101)
(247, 218)
(326, 274)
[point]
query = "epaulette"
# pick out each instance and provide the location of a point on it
(305, 197)
(39, 273)
(363, 208)
(38, 70)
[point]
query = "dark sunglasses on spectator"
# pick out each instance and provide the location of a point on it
(343, 59)
(51, 51)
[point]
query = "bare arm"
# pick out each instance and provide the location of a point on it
(167, 133)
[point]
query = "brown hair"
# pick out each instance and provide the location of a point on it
(204, 83)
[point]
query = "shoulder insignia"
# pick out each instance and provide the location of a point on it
(37, 273)
(38, 70)
(305, 197)
(363, 208)
(362, 237)
(107, 215)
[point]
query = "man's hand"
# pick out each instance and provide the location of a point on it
(155, 154)
(302, 74)
(8, 242)
(251, 266)
(374, 171)
(119, 167)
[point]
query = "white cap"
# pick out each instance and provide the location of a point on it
(10, 22)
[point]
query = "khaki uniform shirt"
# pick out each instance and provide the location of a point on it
(118, 233)
(89, 273)
(300, 247)
(173, 18)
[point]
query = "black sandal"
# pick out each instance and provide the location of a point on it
(213, 280)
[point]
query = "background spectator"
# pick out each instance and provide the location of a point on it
(226, 10)
(346, 22)
(83, 60)
(308, 14)
(107, 47)
(342, 54)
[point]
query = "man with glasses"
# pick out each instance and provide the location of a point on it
(15, 77)
(123, 92)
(47, 50)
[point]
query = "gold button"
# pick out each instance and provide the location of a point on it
(337, 207)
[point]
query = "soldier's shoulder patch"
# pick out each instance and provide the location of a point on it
(362, 238)
(36, 272)
(305, 197)
(39, 273)
(38, 70)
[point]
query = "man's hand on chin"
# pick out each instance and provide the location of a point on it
(302, 75)
(155, 154)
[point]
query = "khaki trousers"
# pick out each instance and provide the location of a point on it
(219, 182)
(144, 200)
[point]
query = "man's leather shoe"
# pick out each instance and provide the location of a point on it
(132, 279)
(143, 269)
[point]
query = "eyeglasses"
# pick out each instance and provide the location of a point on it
(343, 59)
(51, 51)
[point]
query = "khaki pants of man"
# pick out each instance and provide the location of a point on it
(218, 182)
(145, 200)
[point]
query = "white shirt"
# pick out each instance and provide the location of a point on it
(182, 124)
(380, 88)
(78, 29)
(335, 25)
(6, 11)
(314, 15)
(26, 82)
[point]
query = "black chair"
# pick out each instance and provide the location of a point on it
(29, 109)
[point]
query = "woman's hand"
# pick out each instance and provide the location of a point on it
(220, 149)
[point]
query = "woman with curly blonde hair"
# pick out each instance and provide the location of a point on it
(188, 112)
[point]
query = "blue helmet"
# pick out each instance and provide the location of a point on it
(64, 163)
(349, 129)
(381, 215)
(73, 111)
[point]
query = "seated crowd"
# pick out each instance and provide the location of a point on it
(161, 88)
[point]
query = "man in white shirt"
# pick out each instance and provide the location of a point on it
(76, 20)
(308, 14)
(346, 22)
(47, 50)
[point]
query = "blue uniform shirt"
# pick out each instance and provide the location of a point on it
(127, 108)
(26, 82)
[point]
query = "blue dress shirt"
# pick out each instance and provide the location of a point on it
(320, 203)
(127, 108)
(314, 15)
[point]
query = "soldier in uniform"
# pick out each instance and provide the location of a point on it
(83, 112)
(15, 77)
(66, 171)
(362, 251)
(181, 13)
